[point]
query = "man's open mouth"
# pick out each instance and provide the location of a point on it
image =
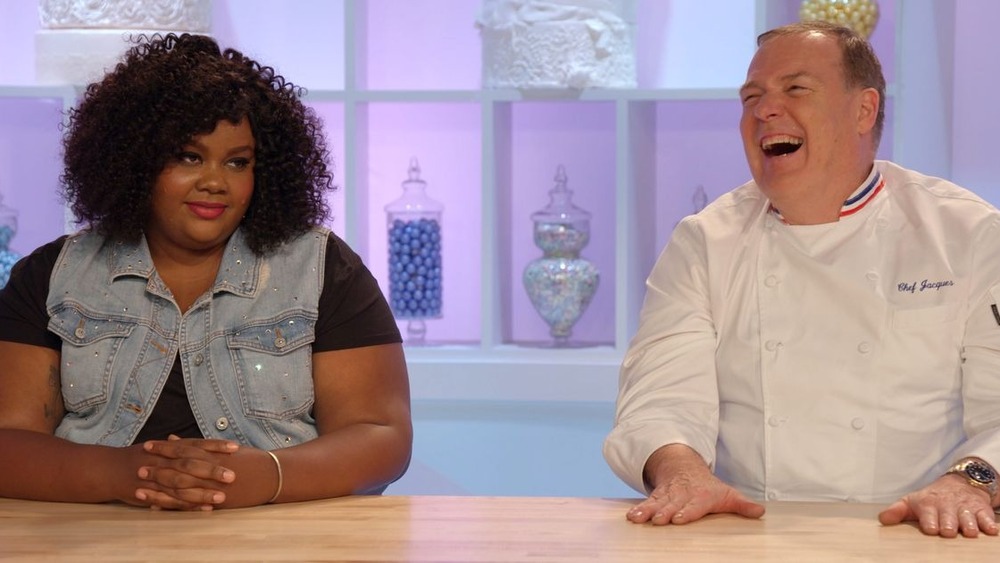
(780, 145)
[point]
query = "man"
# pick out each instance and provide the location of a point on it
(828, 331)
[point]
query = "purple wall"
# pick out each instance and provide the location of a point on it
(976, 112)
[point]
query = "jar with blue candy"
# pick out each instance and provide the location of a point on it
(415, 281)
(8, 228)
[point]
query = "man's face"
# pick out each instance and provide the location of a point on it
(804, 132)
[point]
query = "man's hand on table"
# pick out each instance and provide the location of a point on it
(686, 490)
(945, 508)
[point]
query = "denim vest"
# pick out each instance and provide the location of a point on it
(244, 345)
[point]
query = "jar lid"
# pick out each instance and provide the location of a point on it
(561, 208)
(414, 198)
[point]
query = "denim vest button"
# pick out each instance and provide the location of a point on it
(198, 359)
(279, 342)
(222, 423)
(79, 332)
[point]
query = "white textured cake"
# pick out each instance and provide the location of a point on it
(557, 43)
(79, 40)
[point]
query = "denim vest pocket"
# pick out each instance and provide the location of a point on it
(91, 343)
(273, 363)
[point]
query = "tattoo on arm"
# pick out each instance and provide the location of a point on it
(50, 410)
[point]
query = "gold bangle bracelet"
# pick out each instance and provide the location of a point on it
(281, 477)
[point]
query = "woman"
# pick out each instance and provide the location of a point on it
(203, 343)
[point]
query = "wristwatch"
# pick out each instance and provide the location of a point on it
(979, 474)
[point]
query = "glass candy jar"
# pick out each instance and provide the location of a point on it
(560, 284)
(8, 228)
(859, 15)
(415, 284)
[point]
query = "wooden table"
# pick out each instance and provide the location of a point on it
(428, 528)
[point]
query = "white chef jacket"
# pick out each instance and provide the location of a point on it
(850, 361)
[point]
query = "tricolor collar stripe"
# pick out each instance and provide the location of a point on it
(863, 196)
(857, 201)
(867, 197)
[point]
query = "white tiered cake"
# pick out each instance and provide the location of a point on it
(79, 40)
(548, 44)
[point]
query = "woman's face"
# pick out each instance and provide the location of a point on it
(204, 190)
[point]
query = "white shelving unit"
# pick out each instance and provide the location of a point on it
(638, 215)
(634, 157)
(494, 411)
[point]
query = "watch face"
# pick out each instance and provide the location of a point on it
(980, 472)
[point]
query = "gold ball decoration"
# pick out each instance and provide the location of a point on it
(859, 15)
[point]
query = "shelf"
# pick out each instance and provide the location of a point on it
(30, 162)
(24, 91)
(514, 95)
(393, 80)
(513, 373)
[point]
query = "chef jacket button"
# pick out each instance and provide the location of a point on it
(858, 423)
(771, 281)
(198, 359)
(772, 345)
(872, 276)
(882, 223)
(772, 495)
(222, 423)
(864, 347)
(852, 499)
(774, 421)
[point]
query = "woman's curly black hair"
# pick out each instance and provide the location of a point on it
(167, 90)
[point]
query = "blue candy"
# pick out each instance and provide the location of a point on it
(7, 257)
(415, 268)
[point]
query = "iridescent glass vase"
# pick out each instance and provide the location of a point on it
(561, 284)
